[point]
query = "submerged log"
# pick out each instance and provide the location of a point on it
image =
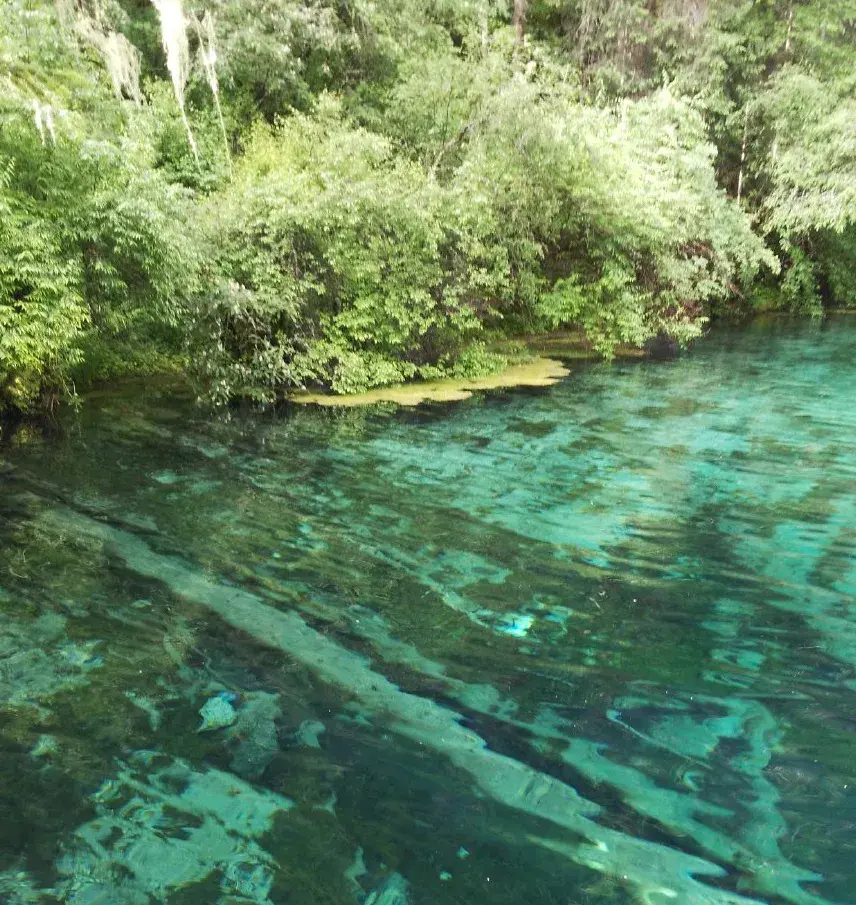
(650, 866)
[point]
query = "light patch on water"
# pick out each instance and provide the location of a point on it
(162, 826)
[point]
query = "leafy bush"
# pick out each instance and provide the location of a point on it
(610, 219)
(91, 237)
(42, 312)
(333, 266)
(343, 264)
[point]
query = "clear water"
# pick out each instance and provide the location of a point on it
(592, 644)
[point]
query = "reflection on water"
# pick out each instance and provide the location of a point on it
(592, 644)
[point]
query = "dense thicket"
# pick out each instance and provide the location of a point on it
(271, 193)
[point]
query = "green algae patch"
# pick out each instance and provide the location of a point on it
(540, 372)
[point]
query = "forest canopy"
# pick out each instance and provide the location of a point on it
(271, 194)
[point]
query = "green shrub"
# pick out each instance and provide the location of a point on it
(333, 264)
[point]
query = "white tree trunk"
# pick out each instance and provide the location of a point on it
(742, 158)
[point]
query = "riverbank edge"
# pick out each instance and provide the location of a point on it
(539, 372)
(560, 348)
(546, 356)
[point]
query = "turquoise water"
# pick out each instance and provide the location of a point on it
(583, 645)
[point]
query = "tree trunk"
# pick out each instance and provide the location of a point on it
(742, 158)
(519, 21)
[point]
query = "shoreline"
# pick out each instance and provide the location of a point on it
(540, 372)
(547, 364)
(551, 355)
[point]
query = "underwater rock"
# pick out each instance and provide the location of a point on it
(49, 627)
(393, 891)
(136, 522)
(161, 826)
(252, 882)
(148, 706)
(355, 870)
(167, 477)
(18, 888)
(45, 746)
(35, 664)
(693, 737)
(255, 727)
(449, 575)
(308, 732)
(107, 891)
(216, 714)
(516, 624)
(80, 655)
(329, 805)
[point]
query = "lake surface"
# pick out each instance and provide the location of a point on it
(581, 645)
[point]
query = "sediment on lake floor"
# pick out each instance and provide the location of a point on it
(653, 869)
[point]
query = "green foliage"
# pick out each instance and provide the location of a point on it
(837, 259)
(799, 285)
(812, 175)
(278, 55)
(36, 69)
(410, 179)
(619, 210)
(332, 260)
(42, 312)
(609, 309)
(171, 156)
(774, 82)
(91, 237)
